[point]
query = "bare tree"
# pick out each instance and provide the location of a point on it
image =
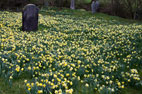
(130, 6)
(72, 5)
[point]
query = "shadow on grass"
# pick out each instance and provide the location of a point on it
(130, 90)
(18, 86)
(42, 27)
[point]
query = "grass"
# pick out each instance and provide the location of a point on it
(68, 42)
(131, 90)
(16, 88)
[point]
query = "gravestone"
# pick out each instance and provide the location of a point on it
(93, 7)
(97, 5)
(30, 18)
(46, 3)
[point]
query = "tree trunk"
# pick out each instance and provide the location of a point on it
(72, 5)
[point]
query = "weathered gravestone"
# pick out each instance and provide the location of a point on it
(30, 18)
(95, 6)
(46, 3)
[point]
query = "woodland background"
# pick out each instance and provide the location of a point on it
(124, 8)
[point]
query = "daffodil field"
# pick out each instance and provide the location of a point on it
(100, 53)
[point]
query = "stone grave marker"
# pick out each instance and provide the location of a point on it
(46, 3)
(30, 18)
(95, 6)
